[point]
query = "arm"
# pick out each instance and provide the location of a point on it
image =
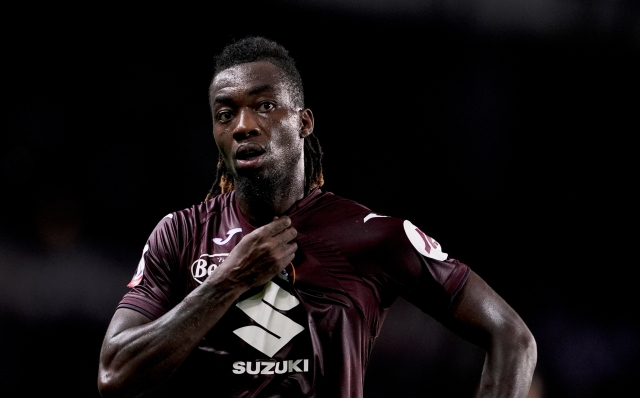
(480, 316)
(138, 354)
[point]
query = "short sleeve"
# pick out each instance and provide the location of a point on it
(151, 285)
(420, 270)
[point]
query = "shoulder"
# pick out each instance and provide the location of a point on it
(346, 222)
(201, 212)
(361, 216)
(352, 221)
(182, 225)
(328, 203)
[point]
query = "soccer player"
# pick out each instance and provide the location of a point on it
(274, 287)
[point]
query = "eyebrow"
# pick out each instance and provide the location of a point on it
(260, 89)
(227, 100)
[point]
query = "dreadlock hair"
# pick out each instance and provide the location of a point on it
(256, 48)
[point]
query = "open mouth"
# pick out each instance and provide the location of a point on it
(249, 153)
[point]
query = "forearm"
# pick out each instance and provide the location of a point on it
(137, 355)
(508, 367)
(137, 359)
(482, 317)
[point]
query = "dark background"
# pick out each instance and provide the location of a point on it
(504, 129)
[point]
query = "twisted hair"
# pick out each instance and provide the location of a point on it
(256, 48)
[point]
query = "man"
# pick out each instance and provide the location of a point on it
(273, 287)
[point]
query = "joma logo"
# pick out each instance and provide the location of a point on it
(230, 234)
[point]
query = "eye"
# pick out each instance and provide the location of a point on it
(224, 116)
(265, 106)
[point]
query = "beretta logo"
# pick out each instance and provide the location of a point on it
(205, 265)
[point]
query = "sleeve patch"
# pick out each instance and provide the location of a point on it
(424, 244)
(140, 270)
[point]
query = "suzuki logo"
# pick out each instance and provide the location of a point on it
(279, 329)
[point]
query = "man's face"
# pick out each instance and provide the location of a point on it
(256, 125)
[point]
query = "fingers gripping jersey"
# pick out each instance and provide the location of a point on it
(310, 339)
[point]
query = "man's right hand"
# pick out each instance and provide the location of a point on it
(136, 356)
(260, 255)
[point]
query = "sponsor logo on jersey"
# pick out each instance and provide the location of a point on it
(424, 244)
(277, 329)
(271, 367)
(231, 232)
(372, 215)
(205, 265)
(137, 277)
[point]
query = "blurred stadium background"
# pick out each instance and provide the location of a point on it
(504, 129)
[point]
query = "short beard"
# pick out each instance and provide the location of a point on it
(266, 189)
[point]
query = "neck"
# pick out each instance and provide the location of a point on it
(261, 199)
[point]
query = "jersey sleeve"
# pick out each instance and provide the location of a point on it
(418, 268)
(151, 285)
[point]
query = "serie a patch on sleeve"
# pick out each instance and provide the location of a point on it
(137, 277)
(424, 244)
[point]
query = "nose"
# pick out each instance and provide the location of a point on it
(245, 125)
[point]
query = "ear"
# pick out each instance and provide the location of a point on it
(306, 117)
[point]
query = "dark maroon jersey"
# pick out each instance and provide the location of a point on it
(312, 338)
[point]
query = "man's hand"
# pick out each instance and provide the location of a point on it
(260, 255)
(136, 356)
